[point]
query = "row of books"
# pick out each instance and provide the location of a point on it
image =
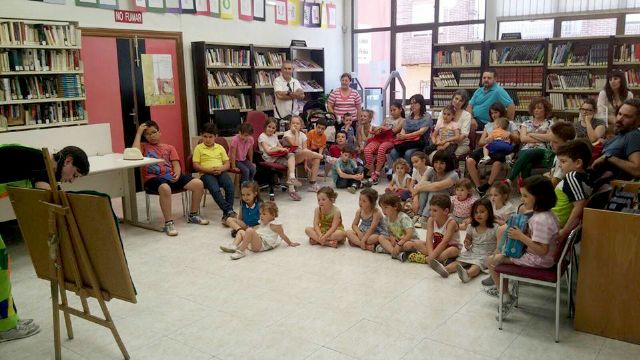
(441, 98)
(21, 33)
(462, 57)
(520, 77)
(627, 53)
(581, 54)
(228, 57)
(566, 101)
(39, 60)
(310, 85)
(264, 101)
(578, 79)
(518, 54)
(265, 78)
(633, 77)
(522, 98)
(227, 102)
(44, 113)
(306, 64)
(465, 78)
(71, 86)
(27, 88)
(270, 58)
(225, 79)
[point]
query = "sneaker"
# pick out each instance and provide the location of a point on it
(492, 291)
(197, 219)
(380, 250)
(419, 223)
(295, 196)
(507, 306)
(403, 256)
(482, 189)
(234, 233)
(313, 187)
(488, 282)
(238, 255)
(375, 178)
(21, 331)
(439, 268)
(462, 273)
(25, 321)
(229, 248)
(170, 228)
(484, 160)
(418, 258)
(294, 182)
(366, 183)
(352, 189)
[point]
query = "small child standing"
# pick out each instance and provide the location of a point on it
(418, 175)
(399, 227)
(327, 227)
(241, 153)
(348, 128)
(499, 196)
(249, 215)
(540, 237)
(480, 242)
(462, 202)
(268, 235)
(401, 180)
(499, 141)
(446, 134)
(367, 225)
(346, 173)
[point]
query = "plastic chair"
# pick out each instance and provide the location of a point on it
(184, 194)
(550, 277)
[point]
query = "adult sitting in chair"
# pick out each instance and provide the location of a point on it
(463, 118)
(27, 164)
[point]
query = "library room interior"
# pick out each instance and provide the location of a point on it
(319, 179)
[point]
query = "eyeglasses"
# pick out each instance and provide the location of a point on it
(586, 110)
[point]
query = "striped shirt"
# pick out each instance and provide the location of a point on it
(574, 187)
(342, 105)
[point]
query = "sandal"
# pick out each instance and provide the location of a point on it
(294, 196)
(375, 176)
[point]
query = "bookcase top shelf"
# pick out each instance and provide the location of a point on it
(576, 67)
(52, 47)
(626, 63)
(306, 48)
(46, 100)
(42, 126)
(54, 72)
(458, 44)
(309, 70)
(457, 66)
(242, 87)
(228, 67)
(574, 91)
(515, 64)
(267, 67)
(454, 88)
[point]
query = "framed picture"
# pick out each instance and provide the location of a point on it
(281, 12)
(259, 10)
(245, 10)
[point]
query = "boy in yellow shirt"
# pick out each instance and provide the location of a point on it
(211, 161)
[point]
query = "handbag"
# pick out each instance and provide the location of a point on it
(511, 247)
(397, 141)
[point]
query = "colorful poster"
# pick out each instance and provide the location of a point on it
(331, 15)
(155, 5)
(225, 9)
(157, 79)
(214, 8)
(306, 15)
(258, 10)
(315, 15)
(187, 6)
(202, 7)
(245, 10)
(281, 12)
(324, 22)
(172, 6)
(293, 12)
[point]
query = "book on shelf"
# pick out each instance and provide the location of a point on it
(445, 79)
(264, 101)
(441, 98)
(22, 33)
(39, 60)
(270, 59)
(305, 64)
(627, 53)
(582, 54)
(40, 87)
(466, 78)
(310, 85)
(633, 77)
(225, 79)
(458, 57)
(228, 102)
(43, 113)
(518, 54)
(228, 57)
(566, 101)
(576, 80)
(265, 78)
(520, 76)
(522, 98)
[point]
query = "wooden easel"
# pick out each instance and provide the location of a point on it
(70, 260)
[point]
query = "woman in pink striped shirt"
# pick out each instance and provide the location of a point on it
(344, 99)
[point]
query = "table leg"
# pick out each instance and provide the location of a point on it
(130, 203)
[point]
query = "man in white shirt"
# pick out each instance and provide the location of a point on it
(287, 91)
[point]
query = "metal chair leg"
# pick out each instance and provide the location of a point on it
(500, 294)
(557, 309)
(147, 200)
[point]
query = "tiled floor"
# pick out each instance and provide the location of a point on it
(297, 303)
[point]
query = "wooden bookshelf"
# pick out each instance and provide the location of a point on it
(455, 66)
(267, 65)
(309, 70)
(41, 82)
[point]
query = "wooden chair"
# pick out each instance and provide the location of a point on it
(550, 277)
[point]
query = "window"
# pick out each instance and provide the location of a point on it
(588, 27)
(632, 24)
(413, 62)
(461, 10)
(460, 33)
(373, 52)
(530, 29)
(415, 11)
(370, 14)
(506, 8)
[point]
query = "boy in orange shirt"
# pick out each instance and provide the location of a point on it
(316, 138)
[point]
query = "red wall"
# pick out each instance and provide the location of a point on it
(100, 61)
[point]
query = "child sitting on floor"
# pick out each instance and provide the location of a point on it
(401, 180)
(249, 215)
(327, 227)
(398, 225)
(367, 225)
(268, 235)
(346, 173)
(462, 202)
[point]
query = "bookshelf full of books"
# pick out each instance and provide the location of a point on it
(309, 70)
(41, 75)
(267, 64)
(626, 57)
(455, 66)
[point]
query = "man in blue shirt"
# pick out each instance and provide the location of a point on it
(487, 95)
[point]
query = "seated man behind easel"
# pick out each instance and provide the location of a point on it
(23, 163)
(165, 177)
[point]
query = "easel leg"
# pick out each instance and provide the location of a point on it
(67, 317)
(56, 319)
(112, 327)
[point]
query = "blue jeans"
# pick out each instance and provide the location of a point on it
(395, 154)
(342, 183)
(247, 170)
(213, 183)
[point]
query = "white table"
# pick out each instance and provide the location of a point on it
(112, 175)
